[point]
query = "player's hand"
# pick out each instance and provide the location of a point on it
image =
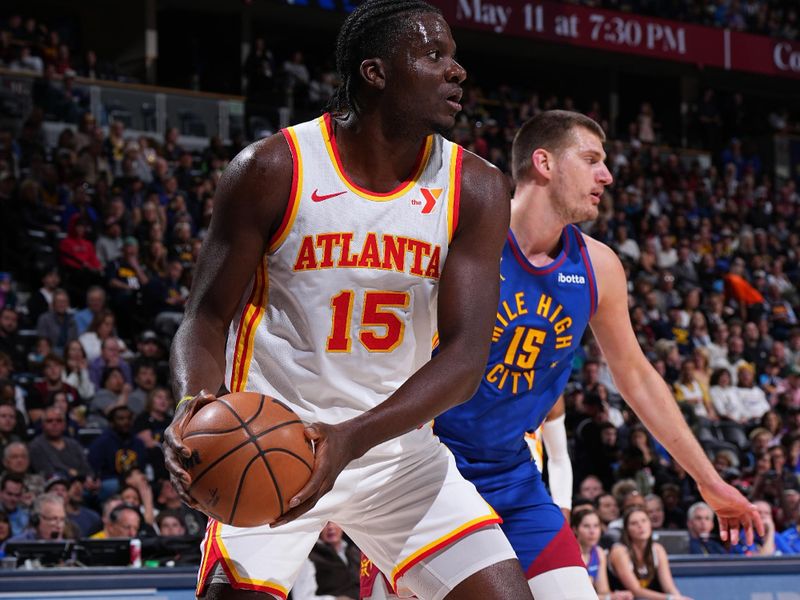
(733, 511)
(332, 453)
(175, 453)
(622, 595)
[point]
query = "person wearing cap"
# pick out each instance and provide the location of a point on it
(52, 452)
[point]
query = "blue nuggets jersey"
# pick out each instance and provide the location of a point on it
(541, 318)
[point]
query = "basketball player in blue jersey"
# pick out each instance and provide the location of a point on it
(336, 250)
(554, 282)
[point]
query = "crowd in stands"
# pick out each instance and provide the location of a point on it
(99, 236)
(775, 18)
(31, 45)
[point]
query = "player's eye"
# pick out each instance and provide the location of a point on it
(435, 54)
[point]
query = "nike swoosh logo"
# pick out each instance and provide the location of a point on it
(317, 198)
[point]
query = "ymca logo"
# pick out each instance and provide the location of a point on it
(430, 196)
(571, 278)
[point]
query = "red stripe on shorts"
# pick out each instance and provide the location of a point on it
(562, 551)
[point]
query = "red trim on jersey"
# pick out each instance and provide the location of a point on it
(287, 215)
(245, 331)
(443, 544)
(525, 263)
(589, 271)
(415, 170)
(457, 192)
(562, 551)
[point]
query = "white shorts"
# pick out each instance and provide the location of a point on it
(399, 510)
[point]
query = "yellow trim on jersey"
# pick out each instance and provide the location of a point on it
(248, 326)
(492, 517)
(361, 191)
(294, 202)
(237, 576)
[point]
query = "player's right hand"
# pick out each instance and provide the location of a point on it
(175, 453)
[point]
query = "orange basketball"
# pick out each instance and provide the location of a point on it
(249, 458)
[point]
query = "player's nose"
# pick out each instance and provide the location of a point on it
(605, 177)
(456, 73)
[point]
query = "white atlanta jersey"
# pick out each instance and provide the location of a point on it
(342, 309)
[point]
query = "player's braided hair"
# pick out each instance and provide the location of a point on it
(371, 30)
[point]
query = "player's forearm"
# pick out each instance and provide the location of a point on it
(446, 381)
(649, 397)
(558, 463)
(198, 357)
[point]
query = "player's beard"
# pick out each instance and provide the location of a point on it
(569, 205)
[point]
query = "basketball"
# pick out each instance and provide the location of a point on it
(249, 458)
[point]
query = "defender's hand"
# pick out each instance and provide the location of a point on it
(734, 511)
(175, 453)
(332, 452)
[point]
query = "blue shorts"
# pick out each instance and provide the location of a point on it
(533, 524)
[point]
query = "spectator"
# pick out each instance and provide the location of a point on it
(119, 520)
(259, 70)
(167, 499)
(655, 510)
(101, 328)
(5, 528)
(78, 257)
(8, 426)
(150, 425)
(700, 525)
(297, 78)
(95, 303)
(607, 509)
(590, 488)
(724, 396)
(57, 324)
(116, 451)
(587, 530)
(47, 521)
(76, 372)
(136, 491)
(638, 564)
(52, 383)
(752, 399)
(11, 343)
(113, 393)
(170, 523)
(126, 278)
(12, 487)
(86, 520)
(110, 356)
(53, 453)
(109, 244)
(145, 380)
(332, 568)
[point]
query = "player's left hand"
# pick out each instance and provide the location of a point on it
(733, 510)
(332, 453)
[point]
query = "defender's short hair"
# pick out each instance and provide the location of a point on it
(551, 130)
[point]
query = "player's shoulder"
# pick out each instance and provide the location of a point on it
(479, 175)
(270, 155)
(264, 160)
(602, 256)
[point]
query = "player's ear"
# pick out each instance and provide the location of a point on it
(373, 70)
(542, 163)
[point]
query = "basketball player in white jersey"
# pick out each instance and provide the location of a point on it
(336, 251)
